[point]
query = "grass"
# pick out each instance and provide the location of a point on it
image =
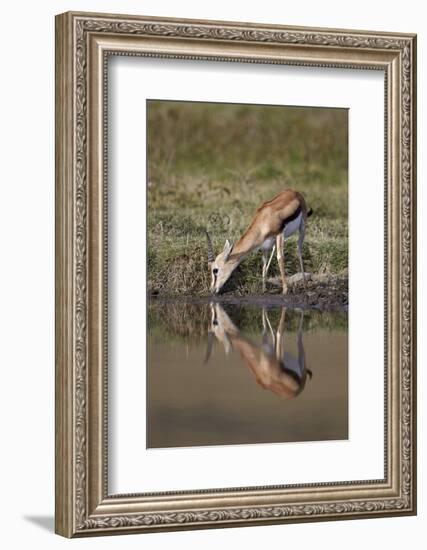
(211, 165)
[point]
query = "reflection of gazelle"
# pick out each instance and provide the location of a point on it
(273, 368)
(273, 222)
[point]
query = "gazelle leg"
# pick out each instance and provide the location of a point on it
(269, 326)
(301, 352)
(266, 265)
(279, 335)
(281, 261)
(266, 324)
(264, 321)
(271, 257)
(299, 249)
(301, 321)
(264, 268)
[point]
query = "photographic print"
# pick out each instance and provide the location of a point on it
(212, 201)
(247, 270)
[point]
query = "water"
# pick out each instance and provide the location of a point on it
(227, 375)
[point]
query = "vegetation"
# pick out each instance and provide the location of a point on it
(180, 321)
(211, 165)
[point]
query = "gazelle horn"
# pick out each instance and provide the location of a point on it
(210, 248)
(209, 346)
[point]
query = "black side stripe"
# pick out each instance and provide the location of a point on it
(291, 217)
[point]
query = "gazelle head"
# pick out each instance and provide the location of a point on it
(220, 267)
(222, 328)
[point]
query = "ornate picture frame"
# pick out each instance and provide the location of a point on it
(83, 43)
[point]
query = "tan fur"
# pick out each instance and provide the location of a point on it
(267, 222)
(266, 367)
(269, 219)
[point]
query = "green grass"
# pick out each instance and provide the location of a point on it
(210, 166)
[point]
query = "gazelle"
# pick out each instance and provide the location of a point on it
(273, 222)
(274, 369)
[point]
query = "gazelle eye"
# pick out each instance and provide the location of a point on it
(215, 271)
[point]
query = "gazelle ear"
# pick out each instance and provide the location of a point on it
(228, 247)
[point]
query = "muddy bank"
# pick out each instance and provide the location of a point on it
(323, 293)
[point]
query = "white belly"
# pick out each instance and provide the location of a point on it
(289, 230)
(292, 227)
(268, 243)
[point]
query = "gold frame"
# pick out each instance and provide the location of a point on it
(83, 43)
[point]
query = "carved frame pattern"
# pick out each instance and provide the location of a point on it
(82, 510)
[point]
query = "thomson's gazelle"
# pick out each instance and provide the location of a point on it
(273, 222)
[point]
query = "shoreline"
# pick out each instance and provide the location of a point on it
(321, 295)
